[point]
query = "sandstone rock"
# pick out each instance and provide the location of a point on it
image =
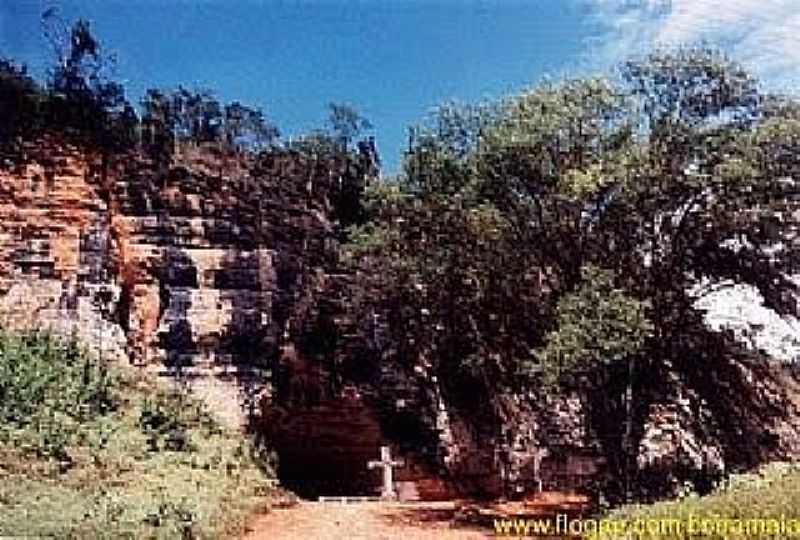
(180, 268)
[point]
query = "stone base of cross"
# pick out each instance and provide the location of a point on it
(387, 464)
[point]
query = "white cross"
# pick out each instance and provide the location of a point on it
(539, 454)
(386, 463)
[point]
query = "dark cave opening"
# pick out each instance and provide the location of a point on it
(326, 472)
(323, 450)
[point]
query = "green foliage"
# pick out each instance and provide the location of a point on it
(144, 461)
(196, 117)
(172, 518)
(595, 325)
(560, 231)
(247, 127)
(440, 272)
(316, 145)
(346, 123)
(82, 97)
(572, 118)
(690, 85)
(79, 102)
(441, 156)
(82, 103)
(163, 421)
(48, 388)
(769, 493)
(20, 100)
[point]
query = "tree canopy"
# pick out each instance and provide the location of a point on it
(81, 100)
(561, 235)
(346, 123)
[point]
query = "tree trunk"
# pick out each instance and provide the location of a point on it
(627, 443)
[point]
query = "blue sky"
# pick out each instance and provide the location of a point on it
(393, 59)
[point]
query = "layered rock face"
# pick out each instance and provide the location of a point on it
(207, 271)
(55, 250)
(201, 267)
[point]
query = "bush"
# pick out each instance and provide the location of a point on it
(770, 493)
(163, 421)
(174, 517)
(142, 461)
(48, 387)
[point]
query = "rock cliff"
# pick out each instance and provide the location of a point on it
(222, 270)
(202, 266)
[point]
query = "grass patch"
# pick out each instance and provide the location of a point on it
(770, 493)
(89, 450)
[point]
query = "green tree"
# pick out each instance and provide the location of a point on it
(345, 123)
(83, 98)
(509, 224)
(82, 74)
(158, 123)
(247, 127)
(20, 102)
(596, 324)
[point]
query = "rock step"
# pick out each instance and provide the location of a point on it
(349, 500)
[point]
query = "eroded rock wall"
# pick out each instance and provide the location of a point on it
(55, 250)
(202, 266)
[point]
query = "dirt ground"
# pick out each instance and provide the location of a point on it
(362, 521)
(407, 521)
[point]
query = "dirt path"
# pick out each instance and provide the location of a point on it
(362, 521)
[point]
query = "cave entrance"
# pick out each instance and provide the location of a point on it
(326, 473)
(324, 450)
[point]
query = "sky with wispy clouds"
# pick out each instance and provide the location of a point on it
(762, 34)
(396, 59)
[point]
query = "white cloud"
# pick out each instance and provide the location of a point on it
(763, 34)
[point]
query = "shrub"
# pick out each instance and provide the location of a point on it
(164, 422)
(768, 493)
(142, 461)
(48, 387)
